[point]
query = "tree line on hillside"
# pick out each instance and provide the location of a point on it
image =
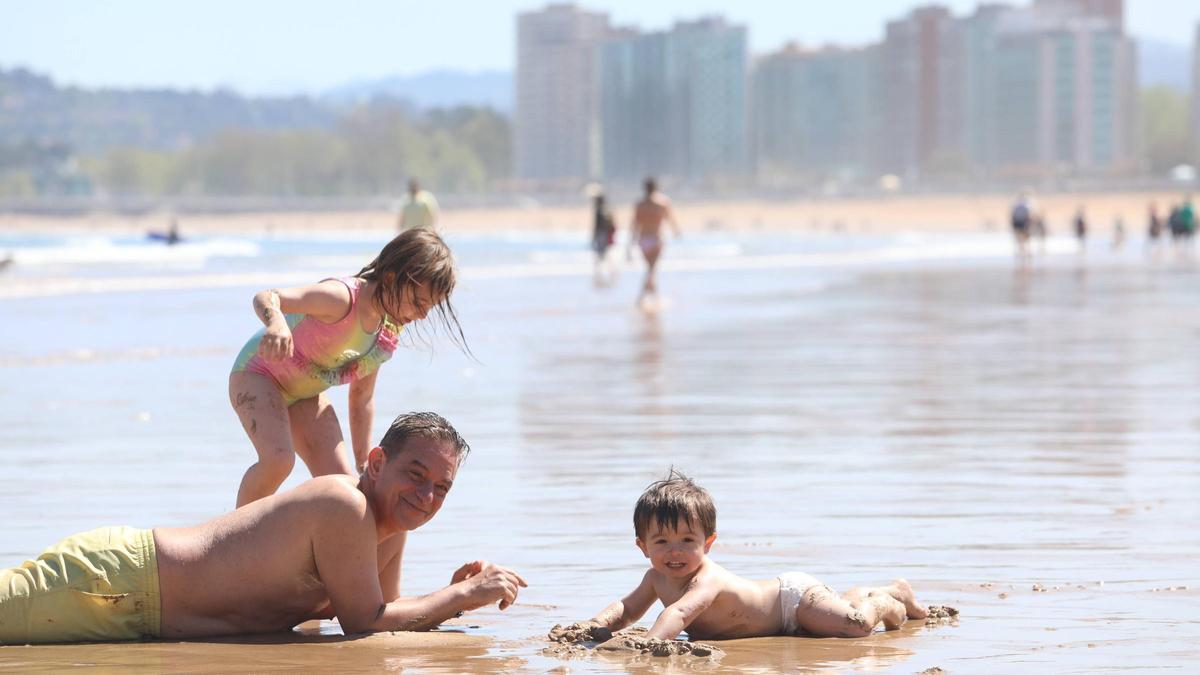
(56, 141)
(371, 151)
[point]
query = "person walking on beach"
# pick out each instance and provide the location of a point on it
(331, 547)
(1081, 229)
(1154, 228)
(603, 234)
(337, 331)
(418, 208)
(1022, 220)
(648, 217)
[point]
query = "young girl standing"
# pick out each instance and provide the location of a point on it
(337, 331)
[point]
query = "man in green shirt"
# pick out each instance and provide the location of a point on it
(418, 209)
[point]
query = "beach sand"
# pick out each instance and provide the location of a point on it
(1019, 443)
(942, 213)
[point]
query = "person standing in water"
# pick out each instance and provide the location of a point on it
(603, 234)
(648, 217)
(1081, 229)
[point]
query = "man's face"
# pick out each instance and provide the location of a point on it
(410, 487)
(675, 551)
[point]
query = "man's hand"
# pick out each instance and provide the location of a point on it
(488, 583)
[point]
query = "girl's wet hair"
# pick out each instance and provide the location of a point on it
(673, 500)
(416, 258)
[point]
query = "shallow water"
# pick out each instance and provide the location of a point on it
(861, 409)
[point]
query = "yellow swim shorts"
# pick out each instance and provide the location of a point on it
(99, 585)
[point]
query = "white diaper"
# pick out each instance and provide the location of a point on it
(792, 587)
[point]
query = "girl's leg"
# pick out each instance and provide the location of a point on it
(317, 436)
(264, 416)
(855, 614)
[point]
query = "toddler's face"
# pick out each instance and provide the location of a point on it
(675, 551)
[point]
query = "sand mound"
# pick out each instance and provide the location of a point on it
(941, 614)
(578, 639)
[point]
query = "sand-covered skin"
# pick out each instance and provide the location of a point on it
(580, 639)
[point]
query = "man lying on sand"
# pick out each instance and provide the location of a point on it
(331, 547)
(675, 522)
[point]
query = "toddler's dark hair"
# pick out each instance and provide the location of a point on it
(675, 498)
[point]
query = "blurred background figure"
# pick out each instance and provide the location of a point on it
(418, 209)
(1022, 215)
(1154, 228)
(1118, 239)
(648, 217)
(1081, 228)
(603, 234)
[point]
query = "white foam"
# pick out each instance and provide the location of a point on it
(93, 251)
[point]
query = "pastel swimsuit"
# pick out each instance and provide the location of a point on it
(324, 355)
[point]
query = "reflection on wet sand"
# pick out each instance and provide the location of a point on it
(307, 649)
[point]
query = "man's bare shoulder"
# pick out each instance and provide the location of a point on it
(335, 494)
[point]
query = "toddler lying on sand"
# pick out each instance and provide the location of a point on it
(675, 522)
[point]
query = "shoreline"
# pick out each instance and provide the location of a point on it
(900, 213)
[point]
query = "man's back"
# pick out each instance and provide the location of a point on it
(650, 213)
(254, 569)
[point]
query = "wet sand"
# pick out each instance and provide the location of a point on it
(1018, 444)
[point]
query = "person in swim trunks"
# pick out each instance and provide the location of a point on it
(648, 217)
(331, 547)
(676, 522)
(337, 331)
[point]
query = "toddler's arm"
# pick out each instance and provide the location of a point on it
(680, 614)
(625, 611)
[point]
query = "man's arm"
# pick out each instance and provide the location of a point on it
(680, 614)
(346, 552)
(669, 213)
(361, 400)
(629, 609)
(391, 553)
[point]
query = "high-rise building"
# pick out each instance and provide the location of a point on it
(1064, 85)
(1196, 96)
(674, 102)
(812, 114)
(556, 122)
(914, 83)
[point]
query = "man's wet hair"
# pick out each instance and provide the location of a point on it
(650, 184)
(673, 500)
(427, 425)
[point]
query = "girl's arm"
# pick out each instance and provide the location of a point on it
(327, 301)
(629, 609)
(362, 417)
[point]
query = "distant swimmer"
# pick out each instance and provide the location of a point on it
(648, 217)
(418, 209)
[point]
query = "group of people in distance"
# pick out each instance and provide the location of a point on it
(649, 215)
(1028, 223)
(333, 546)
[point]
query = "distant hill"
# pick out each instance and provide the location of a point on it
(34, 109)
(1164, 64)
(434, 89)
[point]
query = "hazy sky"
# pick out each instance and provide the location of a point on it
(286, 46)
